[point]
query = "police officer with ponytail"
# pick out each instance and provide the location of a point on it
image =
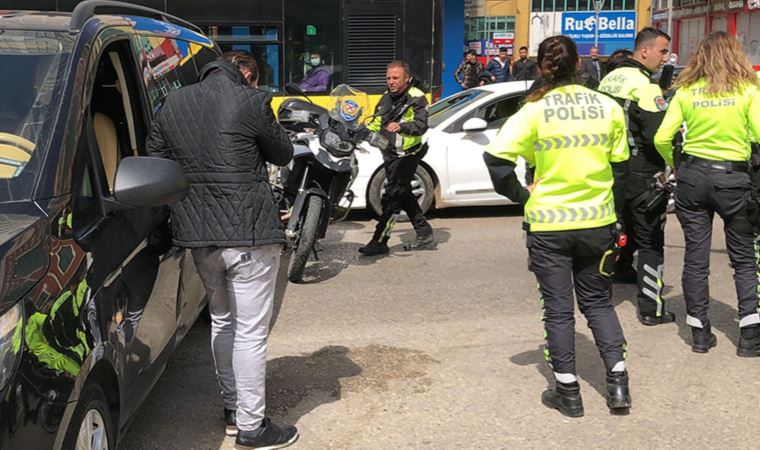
(576, 140)
(718, 98)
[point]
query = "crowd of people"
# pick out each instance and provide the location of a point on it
(599, 139)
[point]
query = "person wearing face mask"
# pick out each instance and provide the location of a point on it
(401, 117)
(642, 99)
(318, 78)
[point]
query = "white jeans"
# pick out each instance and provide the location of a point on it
(240, 284)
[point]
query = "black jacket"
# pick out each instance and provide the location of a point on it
(523, 71)
(644, 115)
(222, 132)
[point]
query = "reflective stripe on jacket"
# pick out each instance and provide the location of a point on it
(571, 136)
(719, 127)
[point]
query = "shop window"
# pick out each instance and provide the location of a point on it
(748, 34)
(262, 41)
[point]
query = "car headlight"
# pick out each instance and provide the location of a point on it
(11, 324)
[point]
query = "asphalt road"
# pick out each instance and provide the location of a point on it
(443, 349)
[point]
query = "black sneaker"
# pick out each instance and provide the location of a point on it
(749, 342)
(230, 422)
(665, 317)
(702, 339)
(426, 242)
(374, 248)
(566, 398)
(618, 393)
(268, 437)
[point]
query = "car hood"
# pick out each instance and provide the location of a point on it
(24, 257)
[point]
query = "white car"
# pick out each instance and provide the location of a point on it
(452, 173)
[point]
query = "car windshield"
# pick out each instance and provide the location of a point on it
(443, 109)
(31, 67)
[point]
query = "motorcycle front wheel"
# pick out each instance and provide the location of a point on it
(307, 237)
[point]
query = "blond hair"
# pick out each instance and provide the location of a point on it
(721, 62)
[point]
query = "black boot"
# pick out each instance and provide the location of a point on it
(566, 398)
(425, 242)
(230, 422)
(618, 394)
(665, 317)
(749, 342)
(702, 339)
(375, 248)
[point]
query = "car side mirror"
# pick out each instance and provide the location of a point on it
(474, 125)
(147, 182)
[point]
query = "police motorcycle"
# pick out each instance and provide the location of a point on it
(315, 186)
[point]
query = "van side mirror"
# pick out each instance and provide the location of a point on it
(474, 125)
(147, 182)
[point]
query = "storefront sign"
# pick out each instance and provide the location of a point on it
(753, 4)
(727, 6)
(663, 15)
(503, 38)
(688, 12)
(615, 29)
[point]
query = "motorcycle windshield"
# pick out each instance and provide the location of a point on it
(349, 106)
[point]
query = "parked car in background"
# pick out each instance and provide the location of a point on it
(94, 295)
(452, 173)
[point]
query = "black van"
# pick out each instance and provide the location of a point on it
(94, 297)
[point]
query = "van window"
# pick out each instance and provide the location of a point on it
(33, 67)
(167, 66)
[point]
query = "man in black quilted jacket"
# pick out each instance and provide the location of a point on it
(223, 132)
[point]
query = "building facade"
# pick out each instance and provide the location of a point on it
(691, 20)
(528, 22)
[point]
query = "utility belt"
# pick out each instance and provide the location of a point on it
(728, 166)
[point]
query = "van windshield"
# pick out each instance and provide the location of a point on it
(32, 65)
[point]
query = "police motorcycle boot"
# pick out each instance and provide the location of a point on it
(618, 393)
(664, 317)
(268, 437)
(230, 422)
(702, 339)
(749, 342)
(566, 398)
(375, 247)
(424, 242)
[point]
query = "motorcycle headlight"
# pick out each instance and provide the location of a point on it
(335, 146)
(330, 139)
(11, 324)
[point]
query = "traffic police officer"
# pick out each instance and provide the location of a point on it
(401, 117)
(645, 208)
(720, 103)
(576, 139)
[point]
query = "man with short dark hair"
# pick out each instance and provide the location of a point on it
(524, 69)
(468, 72)
(644, 214)
(498, 68)
(222, 131)
(401, 117)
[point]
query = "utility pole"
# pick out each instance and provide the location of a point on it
(598, 4)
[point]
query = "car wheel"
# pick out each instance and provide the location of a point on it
(91, 426)
(422, 187)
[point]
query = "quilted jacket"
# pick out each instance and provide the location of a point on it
(222, 132)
